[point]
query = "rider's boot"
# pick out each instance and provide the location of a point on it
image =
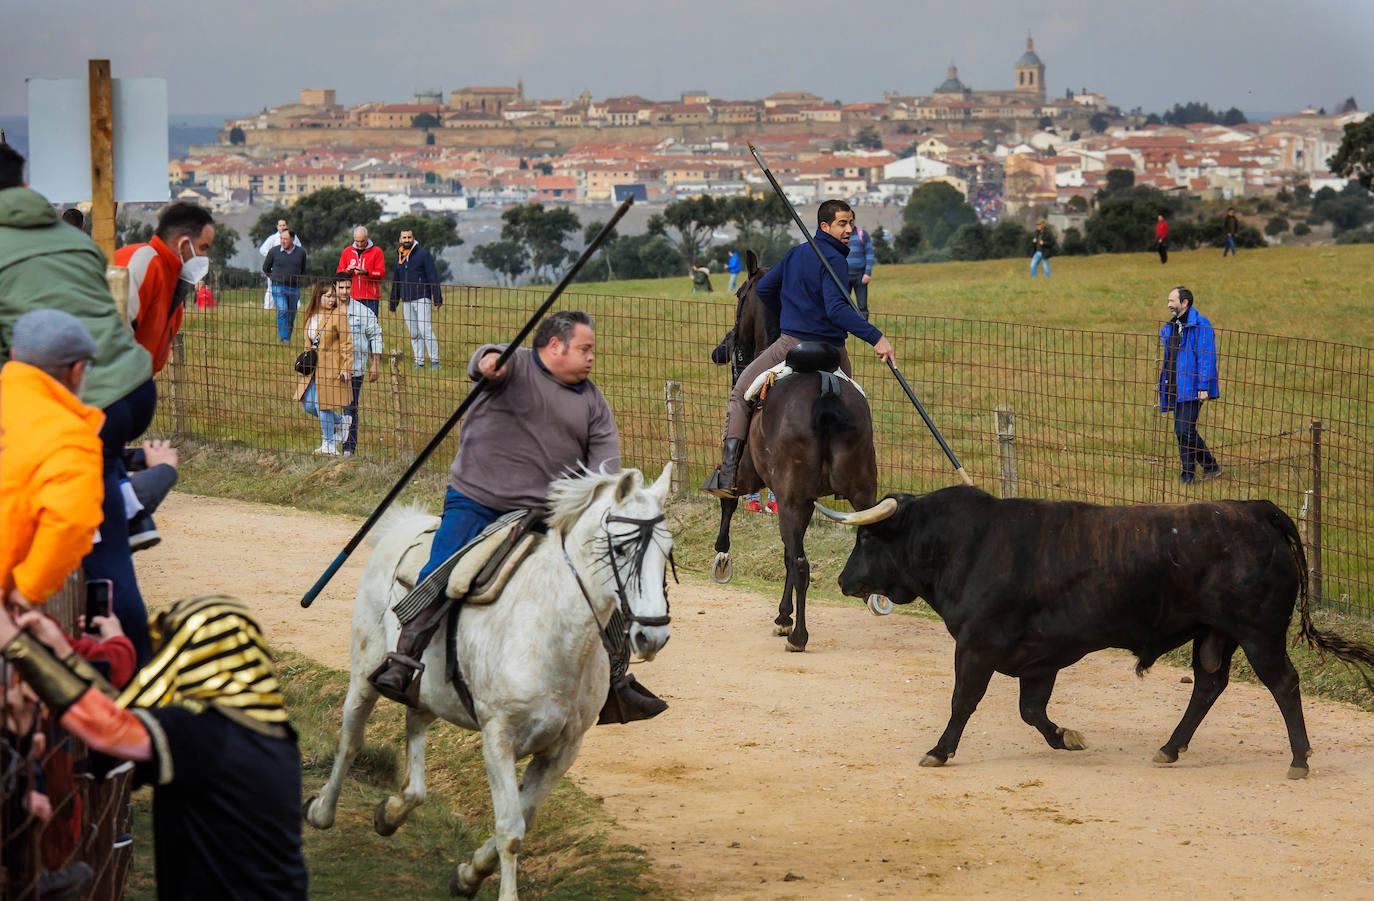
(628, 701)
(722, 482)
(398, 678)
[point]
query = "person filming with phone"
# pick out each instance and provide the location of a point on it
(51, 483)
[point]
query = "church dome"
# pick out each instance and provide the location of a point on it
(1029, 58)
(952, 84)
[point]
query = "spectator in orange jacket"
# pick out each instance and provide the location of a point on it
(366, 262)
(164, 272)
(51, 486)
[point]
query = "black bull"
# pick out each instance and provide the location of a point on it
(1028, 587)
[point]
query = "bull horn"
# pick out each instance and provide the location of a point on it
(885, 508)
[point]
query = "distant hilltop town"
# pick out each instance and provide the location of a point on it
(1006, 150)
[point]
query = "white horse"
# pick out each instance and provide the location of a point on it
(533, 659)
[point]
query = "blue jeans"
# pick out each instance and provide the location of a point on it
(1040, 259)
(350, 441)
(285, 297)
(1192, 450)
(330, 420)
(125, 420)
(1230, 246)
(734, 281)
(860, 292)
(463, 519)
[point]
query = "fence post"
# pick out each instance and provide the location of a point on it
(1006, 452)
(403, 452)
(1315, 522)
(677, 441)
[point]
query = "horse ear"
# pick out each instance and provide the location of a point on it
(659, 489)
(751, 262)
(627, 484)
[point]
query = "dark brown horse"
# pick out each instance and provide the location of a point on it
(804, 443)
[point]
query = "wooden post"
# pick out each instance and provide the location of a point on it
(1006, 452)
(102, 156)
(403, 452)
(677, 441)
(117, 277)
(1314, 548)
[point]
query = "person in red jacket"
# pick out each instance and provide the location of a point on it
(1162, 238)
(366, 262)
(164, 272)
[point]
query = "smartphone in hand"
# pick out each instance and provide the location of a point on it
(99, 601)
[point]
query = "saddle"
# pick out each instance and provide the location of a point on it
(479, 569)
(808, 356)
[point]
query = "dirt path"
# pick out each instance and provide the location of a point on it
(769, 764)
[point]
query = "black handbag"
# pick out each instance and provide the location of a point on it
(307, 360)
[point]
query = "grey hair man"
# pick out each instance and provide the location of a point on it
(365, 263)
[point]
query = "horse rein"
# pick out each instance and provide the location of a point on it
(645, 534)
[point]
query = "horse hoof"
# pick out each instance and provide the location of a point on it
(465, 882)
(1163, 758)
(308, 817)
(1073, 740)
(1297, 772)
(723, 568)
(797, 648)
(879, 605)
(782, 630)
(931, 760)
(379, 822)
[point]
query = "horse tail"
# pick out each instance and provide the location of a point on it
(830, 416)
(1357, 655)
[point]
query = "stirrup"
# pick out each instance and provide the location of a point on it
(712, 485)
(409, 693)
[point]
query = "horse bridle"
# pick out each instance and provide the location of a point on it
(639, 539)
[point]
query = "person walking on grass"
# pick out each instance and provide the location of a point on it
(1162, 238)
(860, 262)
(1042, 245)
(1187, 379)
(284, 268)
(367, 356)
(325, 392)
(415, 286)
(733, 266)
(1230, 227)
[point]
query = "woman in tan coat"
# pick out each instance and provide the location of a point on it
(326, 392)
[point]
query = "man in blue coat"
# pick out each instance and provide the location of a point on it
(1187, 379)
(860, 267)
(416, 286)
(810, 307)
(732, 266)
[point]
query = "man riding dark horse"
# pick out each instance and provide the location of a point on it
(810, 307)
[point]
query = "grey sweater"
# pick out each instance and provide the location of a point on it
(525, 430)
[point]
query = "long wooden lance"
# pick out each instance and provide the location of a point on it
(473, 394)
(911, 395)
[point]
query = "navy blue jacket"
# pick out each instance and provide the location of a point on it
(806, 299)
(416, 278)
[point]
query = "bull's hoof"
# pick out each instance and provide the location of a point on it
(465, 882)
(879, 605)
(723, 568)
(782, 629)
(932, 760)
(379, 822)
(1164, 757)
(795, 647)
(1073, 740)
(1297, 772)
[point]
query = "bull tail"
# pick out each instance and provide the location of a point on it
(1357, 655)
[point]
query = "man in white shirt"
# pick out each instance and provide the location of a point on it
(367, 355)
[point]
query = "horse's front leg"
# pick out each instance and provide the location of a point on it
(391, 813)
(498, 750)
(723, 569)
(362, 697)
(793, 518)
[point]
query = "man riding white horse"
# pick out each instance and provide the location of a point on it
(811, 307)
(540, 417)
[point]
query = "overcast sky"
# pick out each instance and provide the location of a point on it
(236, 57)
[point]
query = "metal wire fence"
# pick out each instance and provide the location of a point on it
(1030, 410)
(39, 853)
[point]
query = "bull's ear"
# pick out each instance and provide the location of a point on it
(751, 262)
(630, 479)
(659, 489)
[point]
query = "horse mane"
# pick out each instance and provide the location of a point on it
(395, 516)
(570, 497)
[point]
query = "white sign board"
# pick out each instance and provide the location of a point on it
(60, 141)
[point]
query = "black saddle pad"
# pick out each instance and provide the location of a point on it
(814, 356)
